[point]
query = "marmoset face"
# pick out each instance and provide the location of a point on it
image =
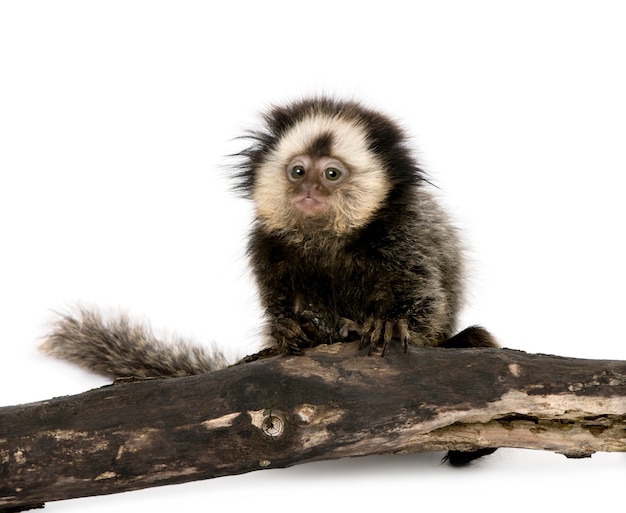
(320, 175)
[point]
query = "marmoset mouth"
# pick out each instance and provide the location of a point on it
(310, 206)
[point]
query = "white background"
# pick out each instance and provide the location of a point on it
(115, 119)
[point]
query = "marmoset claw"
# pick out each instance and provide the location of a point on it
(379, 333)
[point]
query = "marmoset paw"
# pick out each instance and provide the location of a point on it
(378, 333)
(350, 330)
(290, 337)
(311, 325)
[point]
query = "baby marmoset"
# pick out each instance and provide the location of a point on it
(348, 243)
(348, 240)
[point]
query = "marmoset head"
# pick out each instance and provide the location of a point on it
(322, 165)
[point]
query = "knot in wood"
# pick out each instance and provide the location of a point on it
(273, 426)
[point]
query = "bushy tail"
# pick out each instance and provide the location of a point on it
(124, 348)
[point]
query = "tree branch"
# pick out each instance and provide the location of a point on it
(331, 403)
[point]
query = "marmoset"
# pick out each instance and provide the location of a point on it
(348, 243)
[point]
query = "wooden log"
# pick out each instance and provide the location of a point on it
(333, 402)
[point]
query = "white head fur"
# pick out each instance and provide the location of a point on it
(351, 205)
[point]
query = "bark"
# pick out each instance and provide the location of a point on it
(330, 403)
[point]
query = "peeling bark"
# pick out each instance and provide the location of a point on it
(331, 403)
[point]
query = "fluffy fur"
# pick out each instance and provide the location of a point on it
(122, 347)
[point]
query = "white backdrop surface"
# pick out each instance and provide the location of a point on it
(115, 120)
